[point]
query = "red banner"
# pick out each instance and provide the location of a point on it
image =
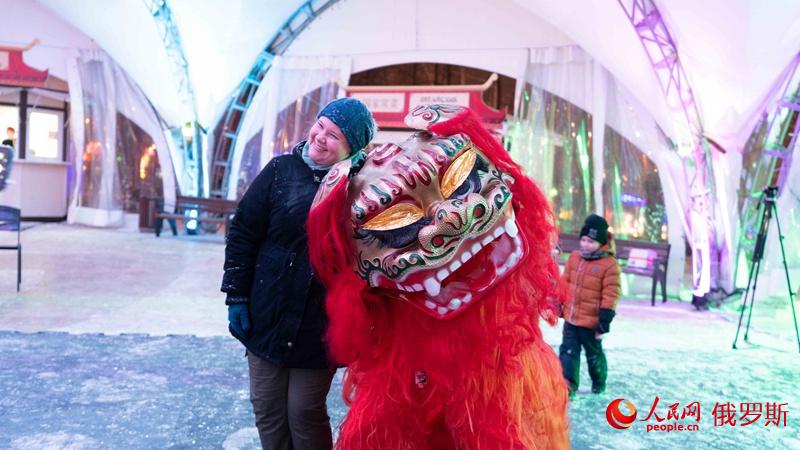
(14, 71)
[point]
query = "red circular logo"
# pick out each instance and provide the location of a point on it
(618, 419)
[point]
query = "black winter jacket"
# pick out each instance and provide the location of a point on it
(267, 265)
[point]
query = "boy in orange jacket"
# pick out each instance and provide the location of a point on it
(592, 274)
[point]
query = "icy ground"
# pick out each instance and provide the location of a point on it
(164, 374)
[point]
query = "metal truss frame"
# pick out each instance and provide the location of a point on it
(193, 153)
(692, 144)
(243, 96)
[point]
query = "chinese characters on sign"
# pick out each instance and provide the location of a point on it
(383, 102)
(690, 411)
(673, 418)
(390, 104)
(748, 413)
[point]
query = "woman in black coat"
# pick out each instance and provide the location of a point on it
(275, 305)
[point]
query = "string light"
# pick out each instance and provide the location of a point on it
(147, 155)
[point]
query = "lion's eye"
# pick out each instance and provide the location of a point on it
(458, 172)
(397, 216)
(472, 183)
(398, 237)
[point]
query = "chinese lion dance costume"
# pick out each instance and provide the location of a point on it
(437, 258)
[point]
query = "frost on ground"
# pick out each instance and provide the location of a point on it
(181, 382)
(135, 391)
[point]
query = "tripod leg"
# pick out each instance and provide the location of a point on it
(752, 300)
(788, 279)
(744, 303)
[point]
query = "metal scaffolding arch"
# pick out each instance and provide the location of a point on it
(243, 96)
(692, 144)
(192, 154)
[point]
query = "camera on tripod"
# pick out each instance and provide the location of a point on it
(769, 209)
(768, 198)
(770, 194)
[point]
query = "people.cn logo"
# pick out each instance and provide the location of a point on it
(618, 419)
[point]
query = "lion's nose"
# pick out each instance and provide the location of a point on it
(449, 212)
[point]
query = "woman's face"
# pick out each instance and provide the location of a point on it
(589, 245)
(326, 143)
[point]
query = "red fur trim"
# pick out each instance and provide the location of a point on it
(331, 256)
(492, 382)
(328, 246)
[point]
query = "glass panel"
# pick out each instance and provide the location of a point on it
(251, 163)
(44, 135)
(766, 154)
(553, 143)
(632, 194)
(294, 122)
(97, 190)
(137, 165)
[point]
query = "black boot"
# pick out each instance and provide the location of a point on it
(700, 303)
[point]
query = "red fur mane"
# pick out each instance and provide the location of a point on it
(489, 372)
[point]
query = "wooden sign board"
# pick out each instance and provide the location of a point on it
(390, 104)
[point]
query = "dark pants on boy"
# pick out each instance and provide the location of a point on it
(569, 353)
(289, 405)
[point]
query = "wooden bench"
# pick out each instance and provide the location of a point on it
(637, 257)
(208, 211)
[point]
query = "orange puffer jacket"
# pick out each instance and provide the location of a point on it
(593, 285)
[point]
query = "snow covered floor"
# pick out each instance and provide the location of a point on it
(180, 382)
(86, 280)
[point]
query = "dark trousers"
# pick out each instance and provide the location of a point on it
(570, 355)
(289, 405)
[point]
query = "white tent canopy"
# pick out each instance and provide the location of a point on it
(732, 51)
(220, 41)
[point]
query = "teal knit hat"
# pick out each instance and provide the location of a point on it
(353, 118)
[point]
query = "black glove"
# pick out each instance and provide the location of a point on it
(604, 323)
